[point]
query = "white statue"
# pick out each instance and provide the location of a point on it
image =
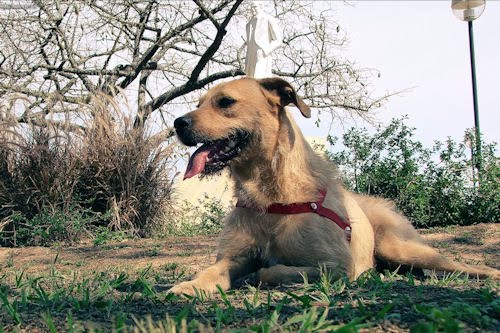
(263, 37)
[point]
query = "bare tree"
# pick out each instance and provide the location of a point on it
(56, 54)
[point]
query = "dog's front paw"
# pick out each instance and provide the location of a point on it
(184, 288)
(194, 288)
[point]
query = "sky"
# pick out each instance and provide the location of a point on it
(421, 47)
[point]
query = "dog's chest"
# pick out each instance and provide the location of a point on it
(278, 245)
(272, 253)
(293, 240)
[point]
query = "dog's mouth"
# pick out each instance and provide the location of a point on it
(215, 155)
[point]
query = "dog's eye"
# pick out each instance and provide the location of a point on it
(225, 102)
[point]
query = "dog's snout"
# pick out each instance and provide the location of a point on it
(183, 122)
(184, 129)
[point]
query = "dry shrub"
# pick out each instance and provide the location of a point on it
(57, 182)
(126, 169)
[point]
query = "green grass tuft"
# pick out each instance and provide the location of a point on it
(131, 301)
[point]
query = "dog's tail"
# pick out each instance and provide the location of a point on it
(397, 242)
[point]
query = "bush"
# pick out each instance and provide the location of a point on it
(205, 218)
(58, 182)
(433, 187)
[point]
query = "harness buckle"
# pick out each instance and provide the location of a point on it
(347, 232)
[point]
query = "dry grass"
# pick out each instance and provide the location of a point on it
(104, 172)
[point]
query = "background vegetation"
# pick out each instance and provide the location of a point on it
(58, 185)
(435, 186)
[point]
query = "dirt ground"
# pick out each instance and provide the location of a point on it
(478, 244)
(177, 258)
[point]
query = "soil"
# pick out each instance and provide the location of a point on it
(477, 244)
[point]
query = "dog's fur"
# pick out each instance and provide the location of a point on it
(279, 166)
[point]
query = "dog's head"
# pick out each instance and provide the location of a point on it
(236, 121)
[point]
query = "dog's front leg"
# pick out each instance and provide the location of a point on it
(281, 274)
(219, 274)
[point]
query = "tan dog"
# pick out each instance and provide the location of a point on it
(243, 125)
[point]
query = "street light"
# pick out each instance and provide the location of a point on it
(469, 10)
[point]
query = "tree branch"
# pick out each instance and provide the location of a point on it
(189, 87)
(154, 48)
(221, 32)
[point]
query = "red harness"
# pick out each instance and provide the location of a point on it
(307, 207)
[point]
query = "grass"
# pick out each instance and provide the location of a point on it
(59, 184)
(137, 301)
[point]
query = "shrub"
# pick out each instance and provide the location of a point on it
(125, 170)
(205, 218)
(58, 182)
(433, 187)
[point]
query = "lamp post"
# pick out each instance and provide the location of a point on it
(469, 10)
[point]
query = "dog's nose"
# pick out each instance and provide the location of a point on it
(183, 122)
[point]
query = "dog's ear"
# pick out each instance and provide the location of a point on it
(286, 93)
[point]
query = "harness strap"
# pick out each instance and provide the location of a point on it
(307, 207)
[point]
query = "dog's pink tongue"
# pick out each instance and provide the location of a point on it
(196, 162)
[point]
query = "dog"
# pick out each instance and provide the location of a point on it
(293, 216)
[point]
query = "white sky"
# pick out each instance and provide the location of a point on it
(421, 45)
